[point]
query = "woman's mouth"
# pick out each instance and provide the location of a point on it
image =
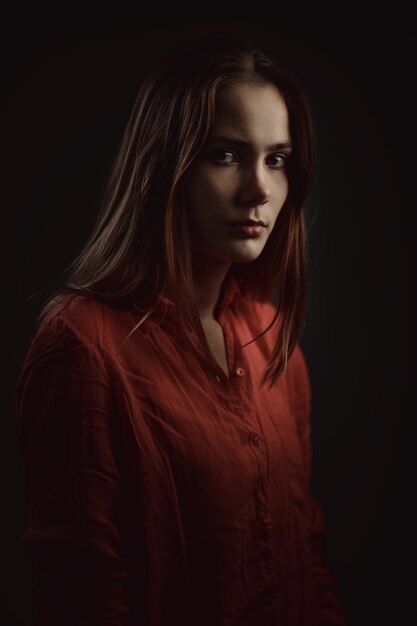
(247, 230)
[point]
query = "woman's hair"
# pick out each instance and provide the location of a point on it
(139, 248)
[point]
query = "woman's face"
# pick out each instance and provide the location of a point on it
(240, 174)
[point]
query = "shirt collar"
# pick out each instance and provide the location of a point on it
(229, 291)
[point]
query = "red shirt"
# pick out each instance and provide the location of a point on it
(161, 492)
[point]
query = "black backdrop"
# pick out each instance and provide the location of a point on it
(70, 87)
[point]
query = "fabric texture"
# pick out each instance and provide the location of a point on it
(160, 491)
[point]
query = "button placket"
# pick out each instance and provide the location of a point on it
(266, 542)
(233, 353)
(263, 513)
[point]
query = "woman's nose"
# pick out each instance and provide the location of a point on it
(254, 189)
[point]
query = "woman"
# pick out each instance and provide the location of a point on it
(163, 405)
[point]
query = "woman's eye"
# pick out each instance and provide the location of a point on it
(223, 156)
(277, 160)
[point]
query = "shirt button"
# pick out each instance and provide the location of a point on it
(255, 440)
(217, 378)
(240, 371)
(263, 514)
(266, 520)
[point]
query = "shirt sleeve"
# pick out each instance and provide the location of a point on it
(66, 419)
(329, 609)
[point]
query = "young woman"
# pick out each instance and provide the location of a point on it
(163, 405)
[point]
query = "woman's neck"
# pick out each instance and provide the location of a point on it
(208, 276)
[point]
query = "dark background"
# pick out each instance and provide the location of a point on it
(70, 87)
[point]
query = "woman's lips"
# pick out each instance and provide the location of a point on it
(247, 230)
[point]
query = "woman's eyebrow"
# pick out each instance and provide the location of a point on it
(281, 145)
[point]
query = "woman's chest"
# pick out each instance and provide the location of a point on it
(216, 448)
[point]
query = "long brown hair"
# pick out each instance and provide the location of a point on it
(139, 248)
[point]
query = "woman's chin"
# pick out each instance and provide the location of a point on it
(238, 251)
(245, 251)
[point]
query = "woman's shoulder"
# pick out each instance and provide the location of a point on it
(82, 318)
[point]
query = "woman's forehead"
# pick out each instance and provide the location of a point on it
(252, 112)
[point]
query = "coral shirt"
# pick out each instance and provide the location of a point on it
(160, 491)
